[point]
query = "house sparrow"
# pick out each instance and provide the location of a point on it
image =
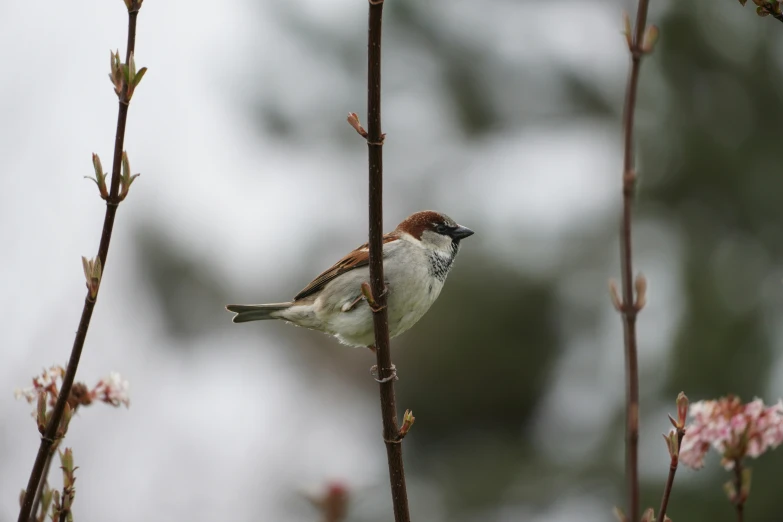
(417, 257)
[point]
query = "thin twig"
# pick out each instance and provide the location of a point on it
(629, 308)
(41, 485)
(670, 480)
(49, 436)
(374, 136)
(739, 501)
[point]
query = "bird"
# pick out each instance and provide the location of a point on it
(417, 257)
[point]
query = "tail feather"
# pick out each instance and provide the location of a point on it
(246, 313)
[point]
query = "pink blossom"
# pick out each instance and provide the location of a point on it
(45, 383)
(734, 429)
(112, 390)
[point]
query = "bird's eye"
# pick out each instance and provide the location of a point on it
(441, 229)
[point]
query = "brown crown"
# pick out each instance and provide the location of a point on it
(417, 223)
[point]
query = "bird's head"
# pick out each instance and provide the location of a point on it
(434, 231)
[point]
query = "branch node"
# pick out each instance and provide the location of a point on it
(629, 181)
(367, 293)
(378, 143)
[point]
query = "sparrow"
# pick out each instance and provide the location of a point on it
(417, 257)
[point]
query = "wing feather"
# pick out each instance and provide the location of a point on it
(358, 258)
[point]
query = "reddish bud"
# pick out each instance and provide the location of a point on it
(353, 120)
(126, 178)
(92, 273)
(41, 412)
(747, 474)
(614, 294)
(641, 292)
(648, 515)
(407, 423)
(682, 410)
(672, 444)
(650, 38)
(730, 490)
(333, 504)
(627, 29)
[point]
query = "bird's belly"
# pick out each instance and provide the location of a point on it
(409, 302)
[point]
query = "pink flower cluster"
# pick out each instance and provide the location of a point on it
(734, 429)
(44, 383)
(111, 390)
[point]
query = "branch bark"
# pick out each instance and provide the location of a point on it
(629, 309)
(739, 501)
(675, 459)
(391, 431)
(48, 439)
(41, 484)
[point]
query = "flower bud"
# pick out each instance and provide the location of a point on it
(41, 412)
(672, 444)
(650, 38)
(682, 410)
(614, 294)
(627, 30)
(619, 515)
(407, 422)
(641, 292)
(745, 487)
(730, 490)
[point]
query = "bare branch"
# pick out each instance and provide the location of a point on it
(386, 372)
(629, 312)
(112, 202)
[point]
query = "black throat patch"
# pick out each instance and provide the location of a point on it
(440, 265)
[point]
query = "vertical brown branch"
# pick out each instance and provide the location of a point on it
(112, 202)
(739, 500)
(667, 490)
(42, 484)
(391, 432)
(629, 309)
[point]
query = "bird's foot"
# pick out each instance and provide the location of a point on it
(392, 376)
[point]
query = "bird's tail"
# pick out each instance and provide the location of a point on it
(246, 313)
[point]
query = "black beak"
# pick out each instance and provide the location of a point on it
(460, 232)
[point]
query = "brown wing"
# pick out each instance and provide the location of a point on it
(358, 258)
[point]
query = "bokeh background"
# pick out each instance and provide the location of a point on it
(503, 114)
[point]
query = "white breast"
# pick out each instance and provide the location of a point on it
(412, 290)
